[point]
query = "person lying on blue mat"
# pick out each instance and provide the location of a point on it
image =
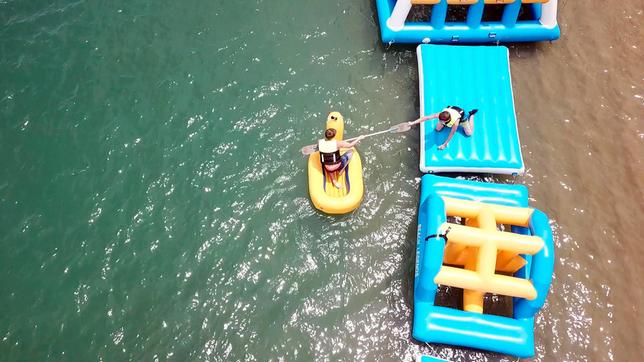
(452, 117)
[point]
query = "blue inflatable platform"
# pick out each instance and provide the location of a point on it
(467, 21)
(422, 358)
(469, 77)
(440, 324)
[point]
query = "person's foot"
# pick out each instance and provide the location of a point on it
(472, 112)
(337, 184)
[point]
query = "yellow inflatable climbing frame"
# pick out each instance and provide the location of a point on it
(476, 252)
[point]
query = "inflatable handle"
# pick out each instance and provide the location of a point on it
(543, 264)
(432, 258)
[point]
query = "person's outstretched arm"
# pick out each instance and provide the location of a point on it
(345, 144)
(423, 119)
(451, 134)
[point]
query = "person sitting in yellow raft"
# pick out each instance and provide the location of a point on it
(334, 163)
(452, 117)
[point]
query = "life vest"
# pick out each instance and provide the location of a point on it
(329, 152)
(455, 113)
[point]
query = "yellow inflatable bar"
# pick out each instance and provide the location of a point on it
(324, 195)
(475, 252)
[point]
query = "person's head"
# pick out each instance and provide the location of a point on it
(329, 133)
(444, 117)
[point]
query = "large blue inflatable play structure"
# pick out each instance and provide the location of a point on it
(508, 21)
(477, 238)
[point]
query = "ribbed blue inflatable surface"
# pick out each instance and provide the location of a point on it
(469, 77)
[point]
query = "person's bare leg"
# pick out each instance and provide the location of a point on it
(335, 176)
(336, 181)
(349, 154)
(340, 171)
(469, 129)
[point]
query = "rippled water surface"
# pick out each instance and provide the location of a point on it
(153, 202)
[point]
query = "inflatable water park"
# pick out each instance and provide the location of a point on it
(479, 238)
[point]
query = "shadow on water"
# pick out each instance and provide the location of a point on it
(407, 273)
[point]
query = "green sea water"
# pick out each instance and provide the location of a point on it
(153, 198)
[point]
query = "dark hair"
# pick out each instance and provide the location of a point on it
(444, 116)
(329, 133)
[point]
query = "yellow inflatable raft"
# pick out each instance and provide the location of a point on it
(324, 195)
